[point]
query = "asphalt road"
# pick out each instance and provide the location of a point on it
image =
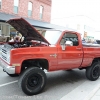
(59, 84)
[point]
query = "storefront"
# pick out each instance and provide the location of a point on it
(8, 30)
(4, 29)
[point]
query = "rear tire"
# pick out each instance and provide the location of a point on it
(93, 72)
(32, 81)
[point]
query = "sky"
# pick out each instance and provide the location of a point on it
(66, 8)
(62, 9)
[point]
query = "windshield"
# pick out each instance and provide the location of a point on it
(51, 36)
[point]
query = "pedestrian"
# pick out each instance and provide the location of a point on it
(18, 37)
(11, 39)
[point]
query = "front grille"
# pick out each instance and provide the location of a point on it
(4, 58)
(4, 51)
(4, 54)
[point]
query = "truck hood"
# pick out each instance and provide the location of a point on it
(26, 29)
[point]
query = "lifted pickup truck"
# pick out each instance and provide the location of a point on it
(51, 50)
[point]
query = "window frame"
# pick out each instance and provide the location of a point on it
(0, 4)
(63, 37)
(0, 26)
(41, 12)
(16, 7)
(30, 15)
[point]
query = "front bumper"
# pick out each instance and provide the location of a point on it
(7, 68)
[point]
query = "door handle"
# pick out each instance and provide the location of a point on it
(78, 48)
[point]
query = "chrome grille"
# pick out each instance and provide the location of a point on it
(4, 54)
(4, 58)
(4, 51)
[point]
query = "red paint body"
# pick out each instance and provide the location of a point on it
(72, 57)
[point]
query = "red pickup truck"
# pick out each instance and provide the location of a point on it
(51, 50)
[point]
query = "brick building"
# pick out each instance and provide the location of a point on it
(38, 11)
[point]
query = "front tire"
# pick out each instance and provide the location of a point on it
(32, 81)
(93, 72)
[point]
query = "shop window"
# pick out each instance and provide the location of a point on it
(12, 31)
(4, 29)
(0, 29)
(16, 2)
(41, 12)
(0, 3)
(0, 26)
(29, 9)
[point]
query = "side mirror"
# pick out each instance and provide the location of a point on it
(67, 43)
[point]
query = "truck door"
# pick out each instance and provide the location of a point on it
(72, 56)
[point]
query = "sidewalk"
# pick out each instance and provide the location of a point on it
(89, 90)
(96, 96)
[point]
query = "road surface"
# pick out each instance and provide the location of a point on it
(61, 85)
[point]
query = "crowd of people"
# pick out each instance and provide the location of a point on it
(93, 41)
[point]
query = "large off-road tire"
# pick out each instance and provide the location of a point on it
(32, 81)
(13, 75)
(93, 72)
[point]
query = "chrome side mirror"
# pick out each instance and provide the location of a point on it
(63, 47)
(67, 43)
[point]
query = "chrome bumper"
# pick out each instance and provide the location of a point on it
(7, 68)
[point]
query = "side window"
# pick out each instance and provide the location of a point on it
(30, 9)
(0, 3)
(16, 3)
(70, 37)
(41, 12)
(0, 29)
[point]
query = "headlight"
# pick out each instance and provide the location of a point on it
(8, 56)
(8, 59)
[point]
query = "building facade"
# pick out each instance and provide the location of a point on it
(35, 9)
(39, 10)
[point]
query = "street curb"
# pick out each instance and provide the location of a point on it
(92, 93)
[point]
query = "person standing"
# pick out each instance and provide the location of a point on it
(18, 37)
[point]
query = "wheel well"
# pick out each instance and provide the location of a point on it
(96, 60)
(40, 63)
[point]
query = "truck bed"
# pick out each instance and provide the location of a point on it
(90, 45)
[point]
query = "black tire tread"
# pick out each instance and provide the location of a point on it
(27, 71)
(89, 70)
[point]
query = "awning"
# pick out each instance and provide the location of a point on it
(4, 17)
